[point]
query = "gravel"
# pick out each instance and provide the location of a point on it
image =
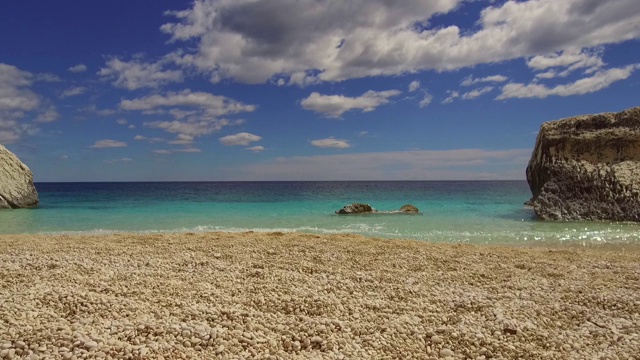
(303, 296)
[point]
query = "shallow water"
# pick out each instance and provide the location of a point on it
(451, 211)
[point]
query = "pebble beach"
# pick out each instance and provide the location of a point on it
(303, 296)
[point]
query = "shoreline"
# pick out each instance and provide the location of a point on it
(299, 296)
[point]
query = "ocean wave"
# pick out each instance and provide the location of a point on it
(583, 236)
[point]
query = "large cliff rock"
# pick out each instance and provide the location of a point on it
(16, 182)
(587, 168)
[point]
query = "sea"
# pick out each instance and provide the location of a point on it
(478, 212)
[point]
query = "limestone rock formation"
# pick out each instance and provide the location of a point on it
(356, 208)
(587, 168)
(16, 182)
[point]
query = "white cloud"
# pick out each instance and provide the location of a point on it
(189, 150)
(469, 80)
(51, 114)
(113, 161)
(461, 164)
(78, 68)
(414, 85)
(17, 102)
(256, 149)
(566, 59)
(362, 133)
(135, 74)
(334, 106)
(214, 104)
(242, 138)
(546, 75)
(47, 77)
(188, 128)
(452, 96)
(331, 143)
(74, 91)
(150, 140)
(122, 121)
(196, 113)
(426, 100)
(255, 41)
(182, 139)
(162, 152)
(476, 93)
(14, 93)
(107, 143)
(600, 80)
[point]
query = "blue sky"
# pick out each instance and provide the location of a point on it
(304, 89)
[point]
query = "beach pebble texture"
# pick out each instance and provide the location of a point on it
(303, 296)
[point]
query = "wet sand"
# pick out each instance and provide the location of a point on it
(303, 296)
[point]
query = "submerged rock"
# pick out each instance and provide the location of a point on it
(356, 208)
(16, 182)
(587, 168)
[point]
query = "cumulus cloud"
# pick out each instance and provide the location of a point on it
(108, 143)
(15, 96)
(331, 143)
(195, 113)
(414, 85)
(579, 59)
(74, 91)
(136, 74)
(242, 138)
(18, 102)
(256, 149)
(49, 115)
(334, 106)
(452, 95)
(426, 100)
(600, 80)
(150, 140)
(546, 75)
(182, 139)
(78, 68)
(476, 93)
(469, 80)
(214, 104)
(321, 40)
(188, 128)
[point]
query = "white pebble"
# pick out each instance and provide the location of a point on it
(446, 353)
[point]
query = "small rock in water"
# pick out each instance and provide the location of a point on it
(356, 208)
(408, 208)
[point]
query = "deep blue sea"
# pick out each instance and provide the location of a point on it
(451, 211)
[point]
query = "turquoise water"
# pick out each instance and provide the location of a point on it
(474, 212)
